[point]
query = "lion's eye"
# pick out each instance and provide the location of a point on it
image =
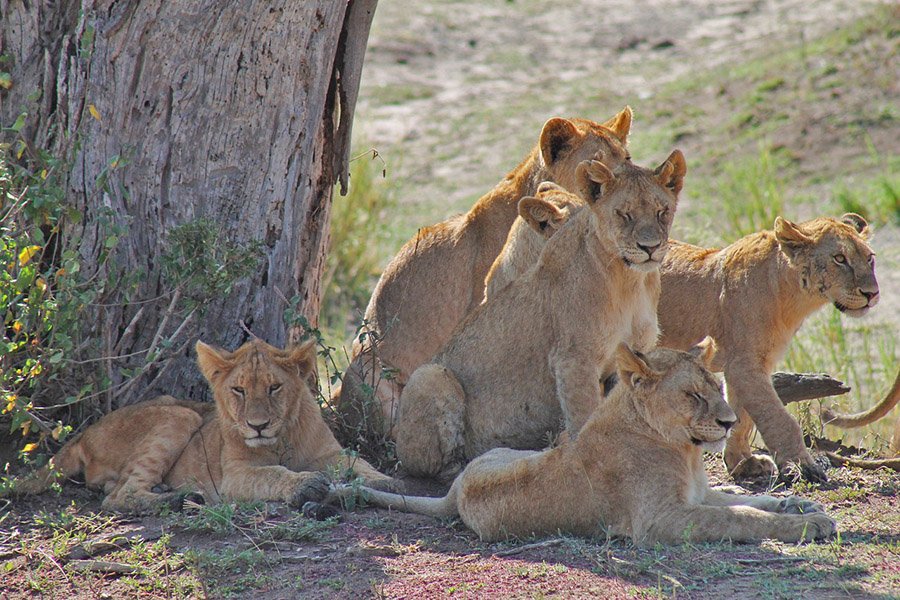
(662, 214)
(871, 259)
(238, 390)
(698, 399)
(626, 218)
(840, 259)
(274, 388)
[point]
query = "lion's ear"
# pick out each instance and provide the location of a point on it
(213, 362)
(671, 172)
(632, 367)
(541, 215)
(857, 222)
(789, 235)
(556, 138)
(590, 177)
(620, 124)
(705, 351)
(549, 186)
(301, 359)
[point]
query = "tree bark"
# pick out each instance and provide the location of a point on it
(174, 111)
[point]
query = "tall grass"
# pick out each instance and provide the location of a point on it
(361, 242)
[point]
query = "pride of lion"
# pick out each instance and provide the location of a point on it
(550, 351)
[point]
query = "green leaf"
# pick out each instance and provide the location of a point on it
(20, 122)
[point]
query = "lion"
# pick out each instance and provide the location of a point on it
(538, 220)
(752, 297)
(264, 439)
(532, 357)
(635, 470)
(437, 277)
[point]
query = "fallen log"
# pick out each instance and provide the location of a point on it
(796, 387)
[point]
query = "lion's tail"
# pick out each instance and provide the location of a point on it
(443, 507)
(69, 461)
(868, 416)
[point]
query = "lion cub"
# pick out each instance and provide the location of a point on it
(533, 355)
(752, 297)
(539, 218)
(636, 470)
(437, 277)
(264, 440)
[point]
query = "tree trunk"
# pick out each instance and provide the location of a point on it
(176, 113)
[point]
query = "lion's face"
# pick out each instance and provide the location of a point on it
(634, 206)
(833, 259)
(257, 388)
(678, 396)
(565, 143)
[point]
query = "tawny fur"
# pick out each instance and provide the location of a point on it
(264, 439)
(538, 220)
(635, 470)
(437, 277)
(531, 359)
(752, 297)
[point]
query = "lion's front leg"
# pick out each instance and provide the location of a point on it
(272, 482)
(750, 388)
(577, 388)
(737, 523)
(788, 505)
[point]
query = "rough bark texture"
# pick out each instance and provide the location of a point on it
(796, 387)
(237, 112)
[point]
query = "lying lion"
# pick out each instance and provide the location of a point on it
(264, 440)
(636, 470)
(534, 354)
(752, 297)
(437, 277)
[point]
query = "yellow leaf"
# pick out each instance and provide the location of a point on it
(29, 448)
(94, 112)
(55, 433)
(60, 272)
(26, 429)
(10, 403)
(16, 327)
(27, 253)
(41, 284)
(44, 173)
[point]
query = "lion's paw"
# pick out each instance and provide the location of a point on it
(818, 526)
(755, 467)
(808, 468)
(312, 489)
(795, 505)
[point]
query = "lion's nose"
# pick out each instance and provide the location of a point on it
(869, 295)
(259, 427)
(649, 249)
(726, 425)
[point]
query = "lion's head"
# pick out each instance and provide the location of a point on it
(258, 388)
(634, 206)
(676, 395)
(564, 143)
(833, 259)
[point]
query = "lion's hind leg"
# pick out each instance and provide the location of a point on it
(430, 430)
(170, 431)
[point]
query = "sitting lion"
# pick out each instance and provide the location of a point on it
(539, 218)
(437, 277)
(752, 297)
(264, 439)
(636, 470)
(532, 357)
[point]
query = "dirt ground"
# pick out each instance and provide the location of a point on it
(453, 94)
